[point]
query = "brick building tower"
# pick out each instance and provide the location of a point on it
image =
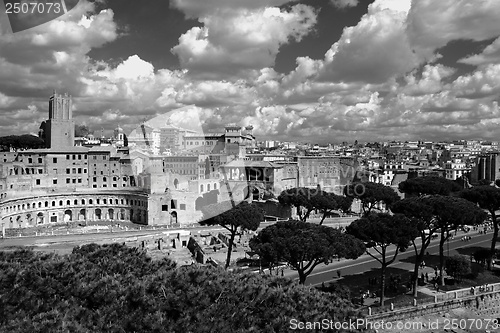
(59, 129)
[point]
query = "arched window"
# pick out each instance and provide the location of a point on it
(60, 202)
(83, 201)
(68, 202)
(75, 202)
(90, 201)
(201, 188)
(53, 203)
(208, 187)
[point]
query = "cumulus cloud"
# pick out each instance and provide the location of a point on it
(53, 55)
(344, 3)
(491, 54)
(430, 81)
(370, 85)
(484, 82)
(373, 51)
(432, 24)
(239, 40)
(196, 8)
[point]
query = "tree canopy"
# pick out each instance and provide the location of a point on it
(82, 130)
(299, 197)
(26, 141)
(327, 203)
(308, 199)
(119, 289)
(380, 231)
(303, 246)
(417, 209)
(440, 213)
(237, 219)
(429, 185)
(487, 197)
(371, 195)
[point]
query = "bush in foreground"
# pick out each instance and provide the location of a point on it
(114, 288)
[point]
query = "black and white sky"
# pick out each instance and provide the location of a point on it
(307, 70)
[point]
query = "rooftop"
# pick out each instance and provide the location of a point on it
(252, 164)
(75, 149)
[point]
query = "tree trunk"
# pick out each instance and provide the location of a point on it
(302, 276)
(494, 240)
(382, 291)
(441, 257)
(322, 219)
(230, 248)
(418, 261)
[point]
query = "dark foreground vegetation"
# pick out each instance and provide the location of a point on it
(113, 288)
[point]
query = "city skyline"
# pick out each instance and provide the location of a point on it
(305, 71)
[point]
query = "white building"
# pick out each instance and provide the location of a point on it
(455, 169)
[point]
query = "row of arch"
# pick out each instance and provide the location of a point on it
(209, 188)
(77, 215)
(81, 215)
(26, 212)
(75, 202)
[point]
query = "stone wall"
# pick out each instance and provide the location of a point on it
(483, 300)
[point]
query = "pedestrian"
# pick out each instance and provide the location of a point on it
(339, 274)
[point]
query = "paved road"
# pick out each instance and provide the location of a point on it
(328, 273)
